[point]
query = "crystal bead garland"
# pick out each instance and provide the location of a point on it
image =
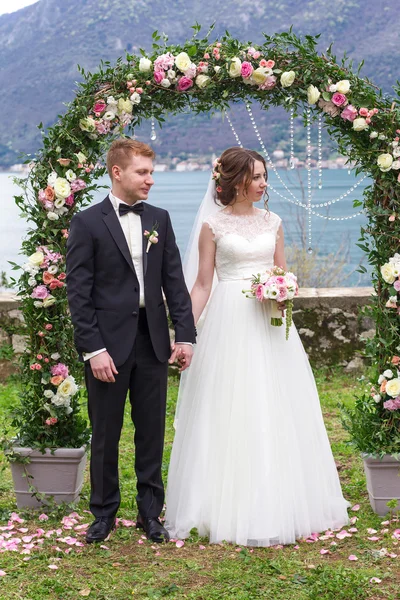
(153, 135)
(309, 189)
(320, 152)
(295, 201)
(291, 133)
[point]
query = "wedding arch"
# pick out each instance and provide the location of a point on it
(205, 76)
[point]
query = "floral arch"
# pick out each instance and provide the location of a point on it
(285, 70)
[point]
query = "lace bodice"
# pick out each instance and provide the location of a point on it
(245, 245)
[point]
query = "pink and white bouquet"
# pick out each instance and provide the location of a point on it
(277, 285)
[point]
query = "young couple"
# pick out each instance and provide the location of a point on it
(251, 462)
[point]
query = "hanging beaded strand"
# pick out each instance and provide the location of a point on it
(320, 152)
(291, 134)
(309, 188)
(153, 135)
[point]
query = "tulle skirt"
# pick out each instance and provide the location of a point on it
(251, 461)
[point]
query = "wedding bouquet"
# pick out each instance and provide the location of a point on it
(278, 285)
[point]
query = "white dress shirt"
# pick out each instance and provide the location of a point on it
(131, 225)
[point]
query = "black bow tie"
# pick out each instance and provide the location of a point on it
(137, 208)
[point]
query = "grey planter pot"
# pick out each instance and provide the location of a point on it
(383, 481)
(58, 475)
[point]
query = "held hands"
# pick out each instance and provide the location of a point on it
(181, 353)
(103, 367)
(282, 307)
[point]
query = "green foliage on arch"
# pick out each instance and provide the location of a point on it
(205, 76)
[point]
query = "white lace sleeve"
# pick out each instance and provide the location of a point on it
(275, 223)
(212, 222)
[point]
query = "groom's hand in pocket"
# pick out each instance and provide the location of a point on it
(103, 367)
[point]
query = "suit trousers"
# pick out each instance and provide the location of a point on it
(145, 378)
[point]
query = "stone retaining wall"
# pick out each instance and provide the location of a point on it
(327, 319)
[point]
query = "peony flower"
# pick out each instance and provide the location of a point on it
(339, 99)
(246, 69)
(343, 86)
(77, 185)
(385, 162)
(145, 64)
(87, 124)
(393, 387)
(62, 187)
(360, 124)
(349, 113)
(202, 81)
(183, 62)
(235, 67)
(164, 62)
(184, 83)
(67, 388)
(40, 292)
(313, 94)
(287, 78)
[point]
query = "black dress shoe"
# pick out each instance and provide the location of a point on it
(153, 529)
(100, 529)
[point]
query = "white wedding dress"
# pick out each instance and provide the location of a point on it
(251, 461)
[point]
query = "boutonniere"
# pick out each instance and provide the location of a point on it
(152, 236)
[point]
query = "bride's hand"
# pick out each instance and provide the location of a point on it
(282, 306)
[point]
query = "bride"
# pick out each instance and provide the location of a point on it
(251, 462)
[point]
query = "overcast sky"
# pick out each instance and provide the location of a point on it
(9, 6)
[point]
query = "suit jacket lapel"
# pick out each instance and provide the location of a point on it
(111, 220)
(147, 224)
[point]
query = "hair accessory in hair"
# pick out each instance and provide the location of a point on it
(216, 174)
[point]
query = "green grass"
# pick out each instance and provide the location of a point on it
(129, 569)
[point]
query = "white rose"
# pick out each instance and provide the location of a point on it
(48, 394)
(49, 301)
(376, 398)
(135, 98)
(360, 124)
(165, 83)
(67, 388)
(333, 88)
(202, 81)
(287, 78)
(396, 165)
(87, 124)
(259, 75)
(387, 272)
(343, 87)
(217, 69)
(144, 64)
(382, 136)
(58, 400)
(59, 202)
(36, 259)
(393, 387)
(373, 135)
(62, 188)
(171, 74)
(235, 67)
(52, 178)
(70, 175)
(109, 115)
(313, 94)
(38, 304)
(388, 374)
(55, 356)
(385, 162)
(183, 61)
(380, 379)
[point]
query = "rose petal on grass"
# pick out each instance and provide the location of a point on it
(2, 573)
(385, 522)
(180, 544)
(353, 557)
(43, 517)
(353, 520)
(396, 534)
(353, 530)
(324, 551)
(375, 580)
(157, 554)
(202, 547)
(355, 507)
(374, 538)
(371, 531)
(104, 547)
(140, 542)
(53, 567)
(23, 530)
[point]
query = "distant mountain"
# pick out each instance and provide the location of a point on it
(41, 45)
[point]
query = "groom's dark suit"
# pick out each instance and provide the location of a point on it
(103, 295)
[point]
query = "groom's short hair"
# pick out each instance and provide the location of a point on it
(121, 151)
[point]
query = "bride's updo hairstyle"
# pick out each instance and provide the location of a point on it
(233, 167)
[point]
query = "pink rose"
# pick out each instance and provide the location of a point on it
(99, 106)
(40, 292)
(263, 62)
(69, 201)
(247, 69)
(396, 285)
(349, 113)
(59, 369)
(256, 55)
(260, 292)
(282, 294)
(270, 64)
(280, 280)
(339, 99)
(42, 196)
(184, 83)
(269, 83)
(158, 76)
(191, 71)
(364, 112)
(77, 185)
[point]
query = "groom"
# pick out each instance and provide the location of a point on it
(116, 276)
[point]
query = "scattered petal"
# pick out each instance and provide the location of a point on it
(355, 507)
(374, 538)
(157, 554)
(140, 542)
(43, 517)
(2, 573)
(324, 551)
(353, 529)
(23, 529)
(202, 547)
(53, 567)
(84, 592)
(371, 531)
(104, 547)
(375, 580)
(353, 557)
(353, 520)
(180, 544)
